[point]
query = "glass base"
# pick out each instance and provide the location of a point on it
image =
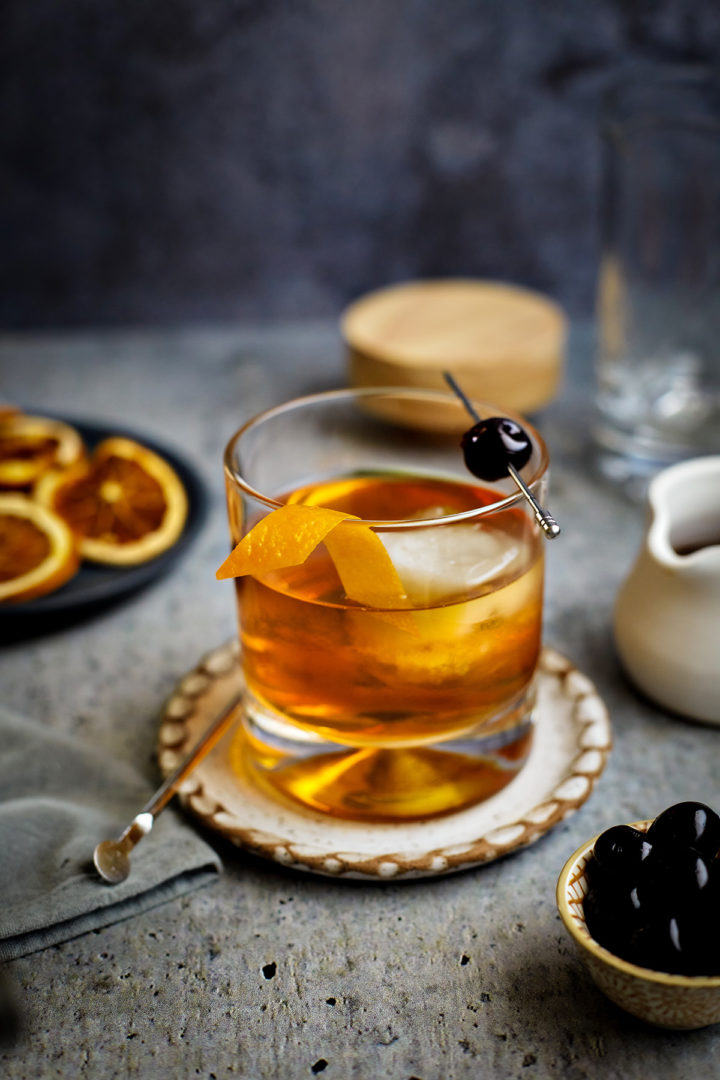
(383, 784)
(630, 461)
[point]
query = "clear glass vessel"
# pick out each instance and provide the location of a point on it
(658, 363)
(386, 710)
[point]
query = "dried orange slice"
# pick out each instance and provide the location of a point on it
(126, 505)
(288, 535)
(31, 444)
(38, 553)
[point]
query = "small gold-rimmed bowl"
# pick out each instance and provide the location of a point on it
(659, 998)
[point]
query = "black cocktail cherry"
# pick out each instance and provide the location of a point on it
(495, 446)
(491, 443)
(689, 824)
(653, 897)
(620, 851)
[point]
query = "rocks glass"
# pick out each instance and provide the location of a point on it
(398, 709)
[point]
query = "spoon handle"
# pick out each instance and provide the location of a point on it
(203, 746)
(112, 857)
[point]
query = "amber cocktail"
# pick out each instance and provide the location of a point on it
(388, 676)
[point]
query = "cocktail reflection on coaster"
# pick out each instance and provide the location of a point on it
(389, 607)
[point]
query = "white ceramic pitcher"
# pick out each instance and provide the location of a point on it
(667, 613)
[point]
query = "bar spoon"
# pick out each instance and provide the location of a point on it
(112, 857)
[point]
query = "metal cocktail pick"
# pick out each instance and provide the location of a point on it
(546, 521)
(112, 857)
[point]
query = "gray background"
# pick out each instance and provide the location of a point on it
(258, 158)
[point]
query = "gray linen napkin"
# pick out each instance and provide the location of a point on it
(58, 798)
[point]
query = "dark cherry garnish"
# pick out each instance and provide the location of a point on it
(676, 882)
(621, 850)
(498, 447)
(677, 943)
(687, 824)
(491, 443)
(653, 897)
(611, 918)
(660, 944)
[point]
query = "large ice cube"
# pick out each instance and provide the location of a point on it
(450, 561)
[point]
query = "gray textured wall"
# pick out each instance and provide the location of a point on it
(201, 159)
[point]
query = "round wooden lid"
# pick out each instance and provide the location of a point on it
(504, 344)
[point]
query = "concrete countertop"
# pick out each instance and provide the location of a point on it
(469, 975)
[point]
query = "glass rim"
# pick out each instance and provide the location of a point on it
(507, 502)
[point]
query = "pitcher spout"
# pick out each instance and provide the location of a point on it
(683, 533)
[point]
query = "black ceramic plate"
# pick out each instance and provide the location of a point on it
(96, 586)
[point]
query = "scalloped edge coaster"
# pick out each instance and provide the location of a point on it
(570, 749)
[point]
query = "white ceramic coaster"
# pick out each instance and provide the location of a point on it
(571, 744)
